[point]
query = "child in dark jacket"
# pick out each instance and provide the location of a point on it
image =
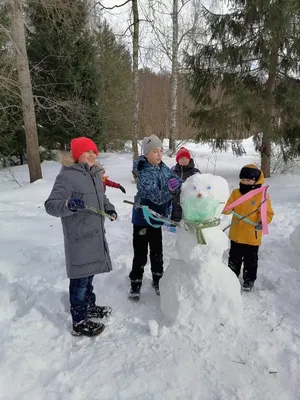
(156, 185)
(184, 168)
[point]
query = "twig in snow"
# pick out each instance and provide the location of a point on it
(237, 361)
(279, 323)
(10, 176)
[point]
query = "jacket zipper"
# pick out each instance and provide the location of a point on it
(96, 193)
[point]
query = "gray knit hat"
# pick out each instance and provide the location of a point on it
(150, 143)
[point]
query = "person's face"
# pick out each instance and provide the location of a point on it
(247, 181)
(154, 156)
(88, 157)
(183, 161)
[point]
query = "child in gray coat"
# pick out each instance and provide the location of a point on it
(86, 250)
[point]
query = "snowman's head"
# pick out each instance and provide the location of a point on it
(203, 196)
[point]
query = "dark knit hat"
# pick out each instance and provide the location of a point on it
(250, 173)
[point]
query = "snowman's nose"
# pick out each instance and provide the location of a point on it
(199, 195)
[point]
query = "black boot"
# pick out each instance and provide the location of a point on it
(155, 283)
(99, 311)
(88, 328)
(135, 290)
(248, 285)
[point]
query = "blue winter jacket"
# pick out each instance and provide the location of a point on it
(152, 186)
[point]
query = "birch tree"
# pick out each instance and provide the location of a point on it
(172, 39)
(174, 77)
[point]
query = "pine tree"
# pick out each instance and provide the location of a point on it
(245, 77)
(64, 71)
(115, 87)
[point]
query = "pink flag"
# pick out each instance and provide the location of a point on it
(263, 207)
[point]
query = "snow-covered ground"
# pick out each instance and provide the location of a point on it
(138, 356)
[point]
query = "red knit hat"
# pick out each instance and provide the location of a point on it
(183, 152)
(80, 145)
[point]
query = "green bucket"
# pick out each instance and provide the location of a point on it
(199, 209)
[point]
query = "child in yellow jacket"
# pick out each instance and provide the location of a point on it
(246, 238)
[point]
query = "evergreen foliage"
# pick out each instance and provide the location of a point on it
(244, 77)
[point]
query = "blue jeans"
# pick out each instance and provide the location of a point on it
(82, 297)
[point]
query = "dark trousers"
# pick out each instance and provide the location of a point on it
(82, 297)
(142, 237)
(243, 253)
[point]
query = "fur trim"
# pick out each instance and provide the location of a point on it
(100, 166)
(66, 159)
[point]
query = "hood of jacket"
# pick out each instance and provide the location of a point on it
(141, 163)
(67, 161)
(261, 178)
(178, 168)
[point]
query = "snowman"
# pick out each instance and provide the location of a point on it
(198, 289)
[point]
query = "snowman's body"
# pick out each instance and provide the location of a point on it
(198, 288)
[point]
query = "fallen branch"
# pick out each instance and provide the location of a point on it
(237, 361)
(279, 323)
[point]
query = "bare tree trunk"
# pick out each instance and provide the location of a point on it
(174, 78)
(135, 61)
(18, 36)
(268, 131)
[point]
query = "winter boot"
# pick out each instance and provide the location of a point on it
(155, 283)
(88, 328)
(248, 285)
(135, 290)
(99, 311)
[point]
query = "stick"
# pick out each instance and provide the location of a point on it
(169, 221)
(100, 212)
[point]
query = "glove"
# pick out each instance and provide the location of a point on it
(258, 227)
(173, 184)
(112, 215)
(75, 204)
(122, 189)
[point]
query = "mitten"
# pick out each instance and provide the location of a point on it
(258, 227)
(173, 184)
(75, 204)
(112, 215)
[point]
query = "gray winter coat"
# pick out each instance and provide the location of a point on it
(86, 249)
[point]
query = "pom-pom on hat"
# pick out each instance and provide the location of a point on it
(82, 144)
(183, 152)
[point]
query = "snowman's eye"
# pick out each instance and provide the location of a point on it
(208, 187)
(195, 187)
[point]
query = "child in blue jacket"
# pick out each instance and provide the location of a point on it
(156, 185)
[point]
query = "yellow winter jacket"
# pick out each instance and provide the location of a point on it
(243, 232)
